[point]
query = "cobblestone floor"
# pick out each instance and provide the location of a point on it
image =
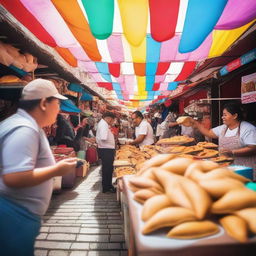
(82, 222)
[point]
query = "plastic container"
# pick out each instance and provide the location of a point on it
(243, 170)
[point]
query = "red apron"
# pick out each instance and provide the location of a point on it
(233, 142)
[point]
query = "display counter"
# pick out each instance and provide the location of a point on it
(158, 244)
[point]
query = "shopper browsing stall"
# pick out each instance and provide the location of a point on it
(106, 150)
(237, 138)
(27, 167)
(143, 130)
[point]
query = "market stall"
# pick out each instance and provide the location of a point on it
(138, 190)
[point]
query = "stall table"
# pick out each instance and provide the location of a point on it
(157, 244)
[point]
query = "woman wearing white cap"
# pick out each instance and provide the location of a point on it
(27, 167)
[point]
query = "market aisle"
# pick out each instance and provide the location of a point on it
(82, 222)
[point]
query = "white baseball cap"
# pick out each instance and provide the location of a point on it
(39, 89)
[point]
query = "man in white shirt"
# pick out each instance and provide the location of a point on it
(143, 131)
(106, 150)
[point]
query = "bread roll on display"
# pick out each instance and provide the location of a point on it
(249, 215)
(194, 173)
(177, 165)
(235, 227)
(234, 200)
(196, 170)
(184, 192)
(199, 198)
(149, 173)
(223, 173)
(168, 217)
(143, 194)
(142, 183)
(155, 204)
(184, 120)
(155, 161)
(193, 229)
(218, 187)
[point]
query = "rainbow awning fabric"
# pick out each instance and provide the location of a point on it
(140, 49)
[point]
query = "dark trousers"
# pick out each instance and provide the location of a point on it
(107, 158)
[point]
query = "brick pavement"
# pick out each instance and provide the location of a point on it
(82, 222)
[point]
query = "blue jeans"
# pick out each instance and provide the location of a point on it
(18, 229)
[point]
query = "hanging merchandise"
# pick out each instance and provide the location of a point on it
(75, 87)
(69, 106)
(86, 97)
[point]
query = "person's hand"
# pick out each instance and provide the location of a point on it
(66, 165)
(194, 123)
(226, 152)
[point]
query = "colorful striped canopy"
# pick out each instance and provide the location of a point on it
(140, 49)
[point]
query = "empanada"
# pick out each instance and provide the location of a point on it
(224, 173)
(142, 195)
(168, 217)
(234, 200)
(235, 227)
(218, 187)
(177, 165)
(156, 161)
(155, 204)
(193, 229)
(249, 215)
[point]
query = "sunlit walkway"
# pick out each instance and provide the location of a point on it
(82, 222)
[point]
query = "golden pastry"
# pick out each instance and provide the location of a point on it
(185, 120)
(168, 217)
(155, 204)
(142, 183)
(156, 161)
(177, 165)
(206, 144)
(224, 173)
(193, 229)
(249, 215)
(234, 200)
(207, 153)
(218, 187)
(235, 227)
(184, 192)
(143, 194)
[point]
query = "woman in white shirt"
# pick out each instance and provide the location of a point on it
(237, 138)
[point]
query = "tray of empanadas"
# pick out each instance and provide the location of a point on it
(206, 144)
(176, 140)
(207, 153)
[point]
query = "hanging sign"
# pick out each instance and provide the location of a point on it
(248, 89)
(244, 59)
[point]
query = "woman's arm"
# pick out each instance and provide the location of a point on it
(244, 151)
(172, 124)
(203, 130)
(138, 140)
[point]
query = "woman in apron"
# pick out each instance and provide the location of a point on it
(237, 138)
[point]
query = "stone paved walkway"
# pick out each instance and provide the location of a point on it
(82, 222)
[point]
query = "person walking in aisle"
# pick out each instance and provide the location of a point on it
(106, 150)
(27, 167)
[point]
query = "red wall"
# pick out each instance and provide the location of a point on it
(197, 96)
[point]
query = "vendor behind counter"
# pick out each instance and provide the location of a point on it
(237, 138)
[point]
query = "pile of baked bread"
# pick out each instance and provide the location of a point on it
(193, 198)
